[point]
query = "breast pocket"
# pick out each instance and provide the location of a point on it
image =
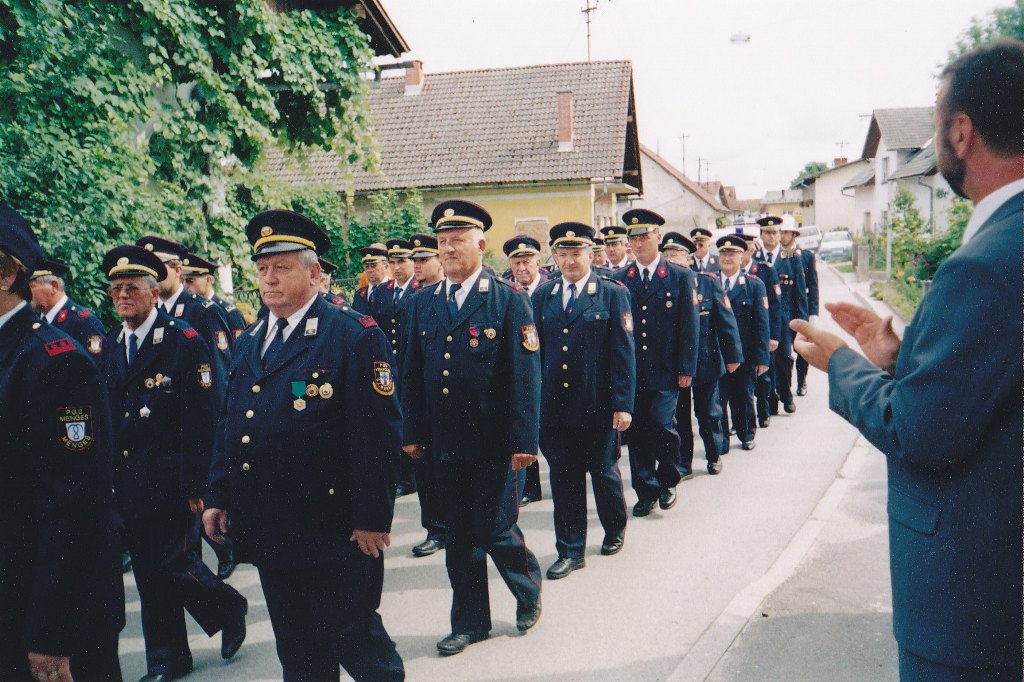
(668, 299)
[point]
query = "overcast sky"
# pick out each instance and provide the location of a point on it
(756, 111)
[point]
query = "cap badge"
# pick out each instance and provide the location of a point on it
(123, 260)
(416, 242)
(449, 212)
(570, 233)
(521, 246)
(149, 247)
(266, 231)
(634, 221)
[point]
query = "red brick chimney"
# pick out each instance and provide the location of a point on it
(565, 133)
(836, 163)
(414, 78)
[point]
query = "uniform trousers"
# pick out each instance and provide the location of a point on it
(801, 371)
(654, 444)
(784, 367)
(571, 455)
(703, 399)
(326, 616)
(914, 668)
(737, 395)
(481, 503)
(428, 490)
(172, 578)
(529, 481)
(406, 475)
(764, 390)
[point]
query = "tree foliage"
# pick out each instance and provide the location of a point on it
(1002, 22)
(811, 168)
(149, 116)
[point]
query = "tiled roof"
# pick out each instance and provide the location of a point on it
(686, 182)
(491, 126)
(862, 178)
(783, 196)
(921, 163)
(906, 128)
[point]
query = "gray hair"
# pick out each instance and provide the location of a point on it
(50, 279)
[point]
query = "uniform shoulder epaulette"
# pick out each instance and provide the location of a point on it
(229, 307)
(712, 275)
(189, 332)
(515, 286)
(753, 276)
(207, 303)
(613, 281)
(58, 346)
(83, 313)
(365, 321)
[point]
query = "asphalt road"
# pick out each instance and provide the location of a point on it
(674, 604)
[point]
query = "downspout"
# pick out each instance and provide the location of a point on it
(931, 205)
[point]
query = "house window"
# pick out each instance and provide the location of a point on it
(885, 168)
(867, 221)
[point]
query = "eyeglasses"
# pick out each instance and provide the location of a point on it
(116, 290)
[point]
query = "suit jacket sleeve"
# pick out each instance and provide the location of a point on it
(524, 368)
(689, 325)
(72, 496)
(811, 275)
(763, 323)
(771, 284)
(375, 437)
(208, 320)
(923, 415)
(800, 289)
(622, 353)
(725, 325)
(411, 389)
(199, 409)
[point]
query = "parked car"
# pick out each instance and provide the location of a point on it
(809, 238)
(836, 245)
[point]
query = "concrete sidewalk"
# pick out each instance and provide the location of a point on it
(832, 617)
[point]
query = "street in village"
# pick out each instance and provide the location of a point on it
(775, 570)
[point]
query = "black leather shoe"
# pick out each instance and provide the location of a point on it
(749, 445)
(801, 390)
(564, 566)
(643, 507)
(457, 642)
(613, 542)
(527, 616)
(715, 468)
(667, 498)
(686, 477)
(233, 633)
(164, 677)
(764, 422)
(773, 409)
(527, 499)
(790, 408)
(428, 547)
(226, 568)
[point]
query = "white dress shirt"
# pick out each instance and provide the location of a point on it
(464, 288)
(989, 205)
(140, 332)
(169, 303)
(651, 269)
(293, 322)
(579, 289)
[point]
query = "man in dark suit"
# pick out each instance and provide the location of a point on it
(720, 351)
(523, 253)
(161, 386)
(754, 264)
(788, 265)
(206, 317)
(375, 265)
(749, 303)
(703, 260)
(428, 273)
(666, 327)
(788, 237)
(61, 596)
(51, 301)
(588, 386)
(616, 246)
(471, 391)
(197, 276)
(327, 270)
(304, 462)
(954, 457)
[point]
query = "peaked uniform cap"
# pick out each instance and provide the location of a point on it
(423, 245)
(327, 266)
(133, 261)
(165, 249)
(17, 238)
(677, 241)
(399, 248)
(641, 221)
(521, 245)
(731, 242)
(195, 264)
(614, 233)
(459, 213)
(700, 234)
(282, 231)
(48, 267)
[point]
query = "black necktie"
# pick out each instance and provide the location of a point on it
(133, 347)
(728, 285)
(646, 278)
(769, 258)
(453, 306)
(572, 299)
(397, 295)
(276, 343)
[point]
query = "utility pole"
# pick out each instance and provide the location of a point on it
(682, 138)
(700, 167)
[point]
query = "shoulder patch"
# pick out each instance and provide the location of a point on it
(383, 380)
(75, 427)
(59, 346)
(84, 313)
(189, 333)
(367, 321)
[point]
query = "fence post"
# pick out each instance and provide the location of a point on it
(863, 257)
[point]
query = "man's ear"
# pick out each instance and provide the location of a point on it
(962, 135)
